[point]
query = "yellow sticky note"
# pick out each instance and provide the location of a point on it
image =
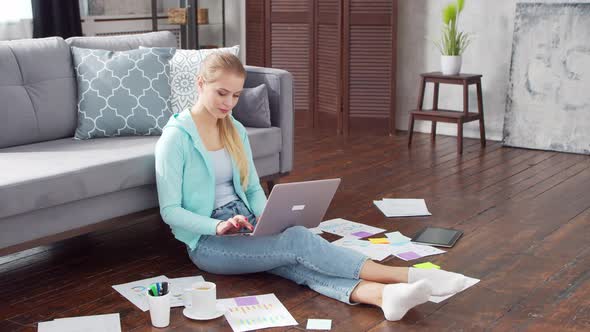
(427, 265)
(379, 240)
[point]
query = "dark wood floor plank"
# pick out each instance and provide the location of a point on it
(525, 215)
(113, 252)
(563, 292)
(488, 258)
(492, 168)
(51, 257)
(530, 177)
(444, 166)
(6, 325)
(398, 172)
(552, 182)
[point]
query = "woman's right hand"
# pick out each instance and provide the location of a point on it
(233, 225)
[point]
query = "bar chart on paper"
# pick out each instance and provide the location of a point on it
(256, 312)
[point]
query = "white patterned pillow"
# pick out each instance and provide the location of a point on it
(184, 67)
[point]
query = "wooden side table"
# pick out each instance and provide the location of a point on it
(453, 116)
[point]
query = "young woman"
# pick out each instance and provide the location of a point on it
(208, 188)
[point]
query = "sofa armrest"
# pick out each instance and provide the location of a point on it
(280, 94)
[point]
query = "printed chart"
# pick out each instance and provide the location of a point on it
(256, 312)
(347, 228)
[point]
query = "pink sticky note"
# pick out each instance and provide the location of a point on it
(362, 234)
(246, 300)
(408, 255)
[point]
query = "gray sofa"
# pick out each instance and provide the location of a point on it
(52, 186)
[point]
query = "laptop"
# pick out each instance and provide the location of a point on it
(295, 204)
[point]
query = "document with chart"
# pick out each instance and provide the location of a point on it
(256, 312)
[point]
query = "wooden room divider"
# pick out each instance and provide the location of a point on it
(342, 54)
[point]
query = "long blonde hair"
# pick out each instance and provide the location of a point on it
(215, 65)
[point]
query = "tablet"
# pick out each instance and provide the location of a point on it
(435, 236)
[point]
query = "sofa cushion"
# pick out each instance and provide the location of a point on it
(47, 174)
(124, 93)
(125, 42)
(37, 90)
(50, 173)
(264, 141)
(252, 109)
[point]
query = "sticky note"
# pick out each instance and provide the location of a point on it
(319, 324)
(379, 240)
(407, 256)
(246, 300)
(427, 265)
(362, 234)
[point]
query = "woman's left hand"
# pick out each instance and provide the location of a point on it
(233, 225)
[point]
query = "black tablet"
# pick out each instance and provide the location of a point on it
(435, 236)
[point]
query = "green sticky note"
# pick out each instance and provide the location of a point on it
(319, 324)
(427, 265)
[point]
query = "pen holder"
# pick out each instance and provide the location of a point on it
(159, 309)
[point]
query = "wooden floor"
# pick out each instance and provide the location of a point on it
(525, 215)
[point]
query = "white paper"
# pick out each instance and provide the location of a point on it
(177, 287)
(470, 282)
(376, 252)
(347, 228)
(419, 249)
(315, 230)
(136, 291)
(397, 238)
(98, 323)
(319, 324)
(399, 207)
(267, 312)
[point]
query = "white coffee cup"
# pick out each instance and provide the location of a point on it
(159, 309)
(201, 299)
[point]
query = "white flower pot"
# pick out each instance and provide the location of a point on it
(450, 64)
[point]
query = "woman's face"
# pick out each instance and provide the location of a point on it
(220, 97)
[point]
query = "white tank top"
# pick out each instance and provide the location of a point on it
(224, 186)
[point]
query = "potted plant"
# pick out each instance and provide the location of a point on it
(453, 42)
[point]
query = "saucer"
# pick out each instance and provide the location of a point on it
(218, 313)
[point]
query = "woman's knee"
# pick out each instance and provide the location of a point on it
(297, 232)
(301, 241)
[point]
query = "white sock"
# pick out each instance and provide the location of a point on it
(442, 282)
(399, 298)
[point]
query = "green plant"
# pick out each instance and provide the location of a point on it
(452, 41)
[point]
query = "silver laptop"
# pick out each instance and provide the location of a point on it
(296, 203)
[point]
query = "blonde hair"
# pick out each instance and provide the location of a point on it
(215, 65)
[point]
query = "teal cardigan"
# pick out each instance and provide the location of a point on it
(186, 181)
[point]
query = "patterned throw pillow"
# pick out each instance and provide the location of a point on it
(122, 93)
(185, 66)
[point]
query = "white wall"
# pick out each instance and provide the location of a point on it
(492, 24)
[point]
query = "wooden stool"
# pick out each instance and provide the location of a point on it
(439, 115)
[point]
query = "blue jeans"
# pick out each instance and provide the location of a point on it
(296, 254)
